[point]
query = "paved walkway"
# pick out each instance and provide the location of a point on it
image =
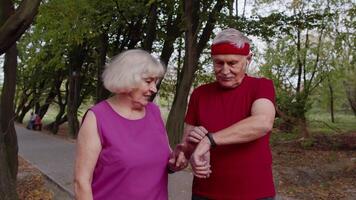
(55, 158)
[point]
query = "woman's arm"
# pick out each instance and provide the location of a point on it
(87, 152)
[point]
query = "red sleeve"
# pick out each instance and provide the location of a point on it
(191, 117)
(265, 89)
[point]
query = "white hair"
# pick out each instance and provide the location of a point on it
(126, 70)
(233, 36)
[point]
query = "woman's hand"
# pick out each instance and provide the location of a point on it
(178, 160)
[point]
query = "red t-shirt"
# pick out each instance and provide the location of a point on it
(239, 171)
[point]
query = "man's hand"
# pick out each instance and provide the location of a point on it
(196, 134)
(200, 159)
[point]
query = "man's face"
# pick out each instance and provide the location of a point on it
(230, 69)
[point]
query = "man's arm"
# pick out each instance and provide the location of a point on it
(249, 129)
(257, 125)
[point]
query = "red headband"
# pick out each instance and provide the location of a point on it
(230, 48)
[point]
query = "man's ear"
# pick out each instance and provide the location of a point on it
(249, 57)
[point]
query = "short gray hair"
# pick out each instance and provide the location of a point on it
(233, 36)
(126, 70)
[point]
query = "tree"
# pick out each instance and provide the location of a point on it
(301, 59)
(13, 25)
(346, 35)
(337, 93)
(16, 22)
(194, 45)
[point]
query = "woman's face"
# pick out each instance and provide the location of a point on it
(146, 88)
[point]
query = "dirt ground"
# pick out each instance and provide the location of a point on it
(322, 169)
(33, 185)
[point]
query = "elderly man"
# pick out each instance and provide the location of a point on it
(227, 128)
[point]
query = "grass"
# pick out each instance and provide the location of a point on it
(319, 123)
(283, 136)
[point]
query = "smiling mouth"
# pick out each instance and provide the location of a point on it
(226, 79)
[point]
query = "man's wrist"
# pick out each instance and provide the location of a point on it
(211, 140)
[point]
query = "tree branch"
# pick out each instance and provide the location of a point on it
(17, 23)
(210, 24)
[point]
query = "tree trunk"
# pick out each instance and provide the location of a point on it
(72, 110)
(351, 95)
(303, 128)
(331, 101)
(101, 92)
(244, 10)
(237, 8)
(151, 28)
(175, 122)
(76, 60)
(135, 33)
(54, 126)
(193, 49)
(44, 108)
(53, 92)
(24, 110)
(22, 101)
(16, 22)
(62, 103)
(8, 138)
(299, 64)
(24, 106)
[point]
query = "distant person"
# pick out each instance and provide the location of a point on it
(228, 125)
(122, 147)
(31, 122)
(37, 123)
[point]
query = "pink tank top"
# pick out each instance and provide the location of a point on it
(133, 161)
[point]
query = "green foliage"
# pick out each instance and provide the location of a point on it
(63, 25)
(300, 59)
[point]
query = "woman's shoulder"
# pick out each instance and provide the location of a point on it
(152, 106)
(99, 106)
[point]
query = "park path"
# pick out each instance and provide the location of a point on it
(55, 158)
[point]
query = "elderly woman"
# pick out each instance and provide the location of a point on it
(122, 146)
